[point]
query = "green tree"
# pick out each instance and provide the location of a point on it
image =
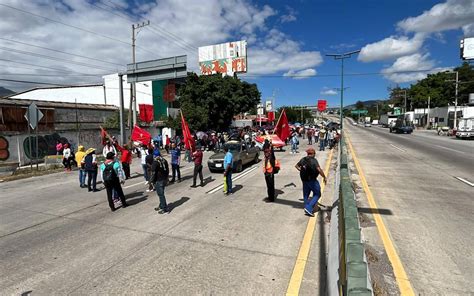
(293, 113)
(359, 105)
(210, 102)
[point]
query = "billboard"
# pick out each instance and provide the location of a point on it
(322, 105)
(226, 58)
(467, 48)
(268, 106)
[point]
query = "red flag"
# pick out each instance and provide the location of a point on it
(322, 105)
(189, 142)
(169, 93)
(103, 135)
(282, 128)
(271, 115)
(146, 112)
(141, 135)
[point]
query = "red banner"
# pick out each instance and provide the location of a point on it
(146, 112)
(282, 128)
(322, 105)
(189, 142)
(141, 135)
(271, 116)
(169, 92)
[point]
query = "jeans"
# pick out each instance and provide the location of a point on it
(160, 191)
(91, 176)
(145, 172)
(82, 177)
(270, 180)
(175, 169)
(321, 145)
(197, 171)
(309, 186)
(115, 186)
(228, 180)
(294, 147)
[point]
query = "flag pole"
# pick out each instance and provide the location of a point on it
(281, 113)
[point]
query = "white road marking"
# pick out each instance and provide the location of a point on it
(233, 179)
(465, 181)
(446, 148)
(398, 148)
(142, 183)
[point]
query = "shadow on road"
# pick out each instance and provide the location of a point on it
(136, 200)
(179, 202)
(375, 211)
(237, 188)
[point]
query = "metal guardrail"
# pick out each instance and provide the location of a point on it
(347, 265)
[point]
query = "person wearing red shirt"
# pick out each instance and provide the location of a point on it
(197, 158)
(125, 159)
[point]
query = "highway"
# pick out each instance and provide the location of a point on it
(56, 238)
(423, 185)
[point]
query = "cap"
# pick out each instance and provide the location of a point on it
(110, 155)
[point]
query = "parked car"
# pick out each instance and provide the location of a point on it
(400, 126)
(242, 152)
(367, 124)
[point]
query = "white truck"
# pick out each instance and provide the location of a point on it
(387, 119)
(465, 128)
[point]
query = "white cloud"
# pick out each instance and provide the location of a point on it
(290, 17)
(390, 48)
(198, 23)
(328, 92)
(468, 30)
(300, 74)
(452, 14)
(411, 68)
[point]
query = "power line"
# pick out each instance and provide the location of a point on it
(55, 50)
(48, 75)
(33, 82)
(54, 58)
(74, 27)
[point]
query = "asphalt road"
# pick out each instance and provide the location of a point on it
(428, 211)
(56, 238)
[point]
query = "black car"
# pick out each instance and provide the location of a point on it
(242, 155)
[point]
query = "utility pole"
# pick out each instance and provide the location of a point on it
(342, 57)
(428, 114)
(405, 111)
(121, 110)
(133, 89)
(455, 98)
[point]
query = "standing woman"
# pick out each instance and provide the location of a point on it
(67, 157)
(268, 169)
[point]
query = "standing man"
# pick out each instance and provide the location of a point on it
(82, 172)
(228, 160)
(108, 148)
(294, 143)
(89, 163)
(112, 176)
(268, 169)
(309, 169)
(310, 136)
(175, 162)
(125, 158)
(322, 137)
(197, 158)
(159, 176)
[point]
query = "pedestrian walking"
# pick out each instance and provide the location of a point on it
(309, 169)
(82, 172)
(67, 155)
(89, 163)
(143, 153)
(269, 169)
(160, 173)
(175, 162)
(149, 162)
(197, 158)
(125, 158)
(167, 144)
(113, 177)
(309, 133)
(294, 143)
(228, 161)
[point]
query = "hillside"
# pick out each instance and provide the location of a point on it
(366, 104)
(5, 92)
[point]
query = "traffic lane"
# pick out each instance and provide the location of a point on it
(454, 161)
(141, 218)
(427, 214)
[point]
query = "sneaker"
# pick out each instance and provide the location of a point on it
(149, 190)
(202, 185)
(193, 186)
(308, 213)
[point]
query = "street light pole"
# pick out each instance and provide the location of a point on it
(456, 101)
(342, 57)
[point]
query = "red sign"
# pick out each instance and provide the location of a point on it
(322, 105)
(271, 115)
(169, 93)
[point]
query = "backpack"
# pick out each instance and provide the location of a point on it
(109, 174)
(306, 170)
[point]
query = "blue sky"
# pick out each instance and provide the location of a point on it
(79, 41)
(340, 26)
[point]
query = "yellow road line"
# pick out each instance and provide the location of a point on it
(300, 264)
(400, 274)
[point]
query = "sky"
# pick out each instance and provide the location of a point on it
(78, 41)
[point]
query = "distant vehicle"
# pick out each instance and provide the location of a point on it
(367, 124)
(354, 123)
(242, 152)
(387, 119)
(375, 122)
(400, 126)
(332, 125)
(465, 128)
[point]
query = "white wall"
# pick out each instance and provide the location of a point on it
(111, 82)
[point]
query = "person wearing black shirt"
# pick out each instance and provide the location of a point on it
(309, 169)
